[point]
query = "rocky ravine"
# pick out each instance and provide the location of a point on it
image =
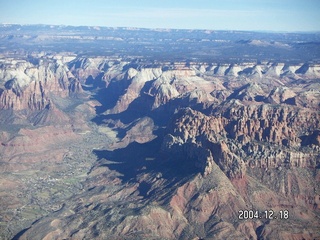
(179, 149)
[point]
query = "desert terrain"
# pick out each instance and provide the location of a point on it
(116, 133)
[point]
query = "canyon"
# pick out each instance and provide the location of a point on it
(113, 146)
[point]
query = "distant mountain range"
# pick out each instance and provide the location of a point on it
(164, 44)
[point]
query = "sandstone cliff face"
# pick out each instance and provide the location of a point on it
(88, 69)
(195, 134)
(29, 87)
(133, 91)
(282, 95)
(248, 133)
(277, 124)
(162, 91)
(32, 97)
(266, 70)
(250, 92)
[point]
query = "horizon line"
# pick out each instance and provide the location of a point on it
(162, 28)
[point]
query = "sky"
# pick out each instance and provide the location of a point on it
(258, 15)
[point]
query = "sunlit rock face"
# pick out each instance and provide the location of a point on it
(30, 94)
(27, 86)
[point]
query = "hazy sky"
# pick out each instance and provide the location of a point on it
(274, 15)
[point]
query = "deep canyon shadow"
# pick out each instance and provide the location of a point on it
(147, 158)
(130, 160)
